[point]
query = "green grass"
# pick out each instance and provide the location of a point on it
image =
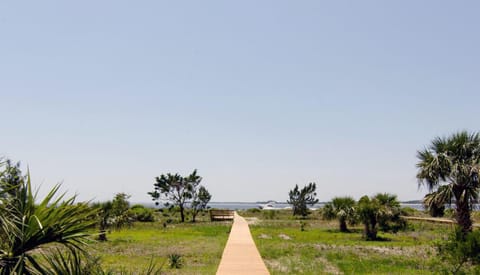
(322, 249)
(131, 249)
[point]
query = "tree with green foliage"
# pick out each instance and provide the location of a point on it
(382, 210)
(176, 190)
(27, 225)
(301, 198)
(343, 209)
(10, 177)
(104, 218)
(449, 168)
(200, 199)
(120, 209)
(113, 214)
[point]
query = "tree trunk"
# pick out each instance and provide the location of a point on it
(194, 214)
(370, 231)
(462, 211)
(182, 215)
(102, 236)
(103, 231)
(343, 225)
(463, 216)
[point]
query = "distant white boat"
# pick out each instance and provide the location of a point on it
(268, 206)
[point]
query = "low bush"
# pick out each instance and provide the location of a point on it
(142, 214)
(269, 214)
(461, 252)
(408, 211)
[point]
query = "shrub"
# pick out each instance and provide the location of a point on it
(303, 225)
(461, 252)
(269, 214)
(450, 213)
(408, 211)
(142, 214)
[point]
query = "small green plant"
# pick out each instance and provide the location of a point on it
(408, 211)
(175, 260)
(303, 225)
(450, 213)
(253, 210)
(269, 214)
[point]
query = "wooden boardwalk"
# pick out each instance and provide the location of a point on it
(241, 255)
(435, 220)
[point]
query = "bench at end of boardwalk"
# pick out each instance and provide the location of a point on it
(221, 215)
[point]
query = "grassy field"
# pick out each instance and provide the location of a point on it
(286, 249)
(322, 249)
(131, 249)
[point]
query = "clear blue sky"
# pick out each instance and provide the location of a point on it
(257, 95)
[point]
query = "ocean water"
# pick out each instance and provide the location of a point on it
(249, 205)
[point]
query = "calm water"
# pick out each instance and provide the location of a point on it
(249, 205)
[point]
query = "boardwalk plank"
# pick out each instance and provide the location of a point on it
(241, 255)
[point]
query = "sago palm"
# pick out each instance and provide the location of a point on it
(449, 169)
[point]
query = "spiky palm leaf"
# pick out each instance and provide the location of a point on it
(27, 225)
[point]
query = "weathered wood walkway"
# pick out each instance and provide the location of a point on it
(435, 220)
(241, 255)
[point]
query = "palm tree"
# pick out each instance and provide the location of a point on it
(341, 208)
(381, 210)
(389, 212)
(368, 214)
(26, 225)
(449, 168)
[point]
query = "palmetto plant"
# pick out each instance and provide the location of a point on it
(381, 210)
(389, 212)
(449, 168)
(27, 226)
(343, 209)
